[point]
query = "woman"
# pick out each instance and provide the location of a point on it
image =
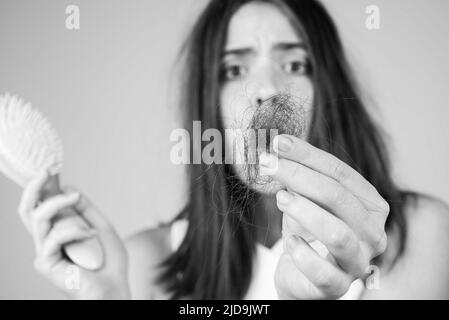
(324, 185)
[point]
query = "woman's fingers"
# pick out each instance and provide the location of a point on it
(295, 149)
(112, 244)
(326, 277)
(31, 196)
(296, 276)
(332, 196)
(41, 218)
(51, 249)
(291, 226)
(336, 235)
(89, 212)
(292, 284)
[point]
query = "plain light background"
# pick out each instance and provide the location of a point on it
(110, 90)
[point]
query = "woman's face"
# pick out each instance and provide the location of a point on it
(263, 56)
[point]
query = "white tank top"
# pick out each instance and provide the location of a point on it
(262, 285)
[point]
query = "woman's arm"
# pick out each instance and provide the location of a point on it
(49, 237)
(422, 272)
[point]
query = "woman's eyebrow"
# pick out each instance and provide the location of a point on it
(238, 52)
(284, 46)
(281, 46)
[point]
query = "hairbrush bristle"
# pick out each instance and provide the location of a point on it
(28, 142)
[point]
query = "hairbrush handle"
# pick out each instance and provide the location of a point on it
(86, 253)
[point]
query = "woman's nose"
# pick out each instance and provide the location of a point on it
(266, 88)
(262, 95)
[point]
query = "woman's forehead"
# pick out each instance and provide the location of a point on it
(259, 24)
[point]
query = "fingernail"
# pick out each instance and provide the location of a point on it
(282, 143)
(292, 242)
(284, 197)
(268, 164)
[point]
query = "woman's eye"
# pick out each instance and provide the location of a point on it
(233, 72)
(296, 67)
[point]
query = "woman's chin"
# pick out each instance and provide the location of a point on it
(256, 182)
(268, 186)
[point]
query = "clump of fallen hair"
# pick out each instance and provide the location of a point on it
(282, 112)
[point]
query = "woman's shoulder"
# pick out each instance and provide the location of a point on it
(421, 271)
(427, 238)
(154, 241)
(427, 218)
(147, 249)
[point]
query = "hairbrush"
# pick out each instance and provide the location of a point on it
(29, 145)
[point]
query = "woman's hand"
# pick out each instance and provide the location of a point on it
(110, 281)
(328, 201)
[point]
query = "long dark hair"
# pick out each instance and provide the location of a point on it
(214, 261)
